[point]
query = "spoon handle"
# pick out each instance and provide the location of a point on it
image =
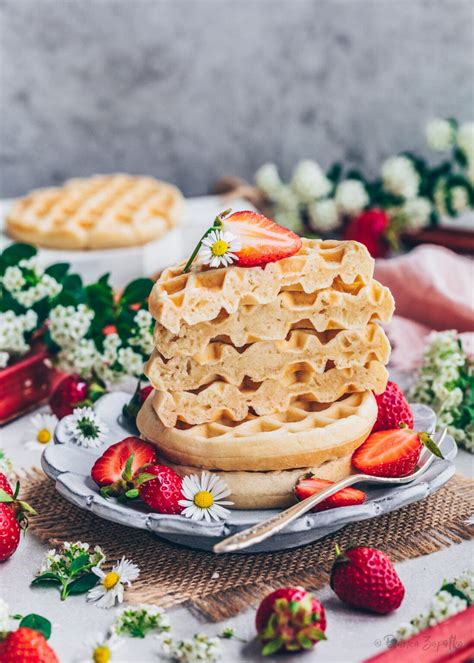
(271, 526)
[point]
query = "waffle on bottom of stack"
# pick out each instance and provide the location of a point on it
(261, 458)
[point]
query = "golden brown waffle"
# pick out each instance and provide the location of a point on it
(307, 433)
(271, 490)
(221, 399)
(202, 293)
(100, 212)
(259, 361)
(338, 307)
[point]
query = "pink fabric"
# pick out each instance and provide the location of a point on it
(433, 288)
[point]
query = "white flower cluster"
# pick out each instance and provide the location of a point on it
(58, 561)
(443, 605)
(400, 177)
(44, 285)
(143, 339)
(440, 134)
(139, 620)
(438, 381)
(12, 334)
(417, 212)
(200, 648)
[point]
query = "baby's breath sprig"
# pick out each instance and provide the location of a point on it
(217, 225)
(193, 650)
(138, 621)
(70, 568)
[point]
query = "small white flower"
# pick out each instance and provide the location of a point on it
(204, 497)
(131, 361)
(465, 139)
(400, 177)
(13, 279)
(268, 180)
(4, 616)
(139, 620)
(351, 196)
(99, 649)
(459, 199)
(417, 211)
(324, 215)
(440, 134)
(198, 649)
(85, 428)
(309, 181)
(287, 201)
(219, 248)
(41, 430)
(111, 587)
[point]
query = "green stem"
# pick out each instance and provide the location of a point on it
(217, 225)
(64, 586)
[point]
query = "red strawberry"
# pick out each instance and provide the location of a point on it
(69, 392)
(145, 392)
(365, 578)
(13, 518)
(26, 646)
(118, 470)
(393, 409)
(369, 228)
(262, 240)
(290, 619)
(163, 493)
(131, 409)
(309, 485)
(392, 453)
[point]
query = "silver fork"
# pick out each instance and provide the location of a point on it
(266, 529)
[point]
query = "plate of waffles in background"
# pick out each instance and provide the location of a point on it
(123, 224)
(263, 372)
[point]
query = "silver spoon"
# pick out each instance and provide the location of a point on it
(267, 528)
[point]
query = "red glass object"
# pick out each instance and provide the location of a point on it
(25, 385)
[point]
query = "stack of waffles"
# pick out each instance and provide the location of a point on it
(263, 374)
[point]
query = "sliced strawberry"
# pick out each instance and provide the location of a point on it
(262, 240)
(118, 466)
(388, 453)
(310, 485)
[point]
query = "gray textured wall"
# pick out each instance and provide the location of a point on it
(191, 89)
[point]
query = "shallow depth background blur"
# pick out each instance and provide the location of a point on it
(189, 90)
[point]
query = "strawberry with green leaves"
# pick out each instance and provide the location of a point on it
(13, 518)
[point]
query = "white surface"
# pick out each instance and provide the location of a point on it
(352, 636)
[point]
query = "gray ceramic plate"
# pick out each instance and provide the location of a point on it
(69, 467)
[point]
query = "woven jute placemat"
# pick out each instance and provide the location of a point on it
(222, 586)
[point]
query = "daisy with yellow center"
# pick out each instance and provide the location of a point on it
(203, 497)
(41, 430)
(110, 589)
(218, 248)
(99, 650)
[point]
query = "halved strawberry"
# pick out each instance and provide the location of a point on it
(262, 240)
(122, 467)
(392, 453)
(310, 485)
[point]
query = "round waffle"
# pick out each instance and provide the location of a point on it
(306, 434)
(100, 212)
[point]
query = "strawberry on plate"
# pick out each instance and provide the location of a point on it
(365, 578)
(26, 645)
(392, 453)
(122, 468)
(13, 518)
(393, 409)
(290, 619)
(163, 492)
(310, 485)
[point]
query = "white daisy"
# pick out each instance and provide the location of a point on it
(85, 428)
(99, 649)
(218, 248)
(110, 589)
(203, 497)
(41, 430)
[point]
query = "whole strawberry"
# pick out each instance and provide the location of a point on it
(12, 518)
(393, 409)
(132, 408)
(163, 493)
(369, 228)
(365, 578)
(290, 619)
(71, 391)
(26, 646)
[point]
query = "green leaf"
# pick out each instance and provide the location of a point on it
(46, 579)
(83, 584)
(127, 472)
(431, 445)
(37, 623)
(16, 252)
(137, 291)
(132, 494)
(454, 591)
(79, 563)
(143, 478)
(58, 271)
(272, 647)
(5, 497)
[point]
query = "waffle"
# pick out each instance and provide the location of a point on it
(306, 434)
(100, 212)
(338, 307)
(271, 490)
(202, 293)
(259, 361)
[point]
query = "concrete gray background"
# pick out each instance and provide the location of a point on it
(191, 89)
